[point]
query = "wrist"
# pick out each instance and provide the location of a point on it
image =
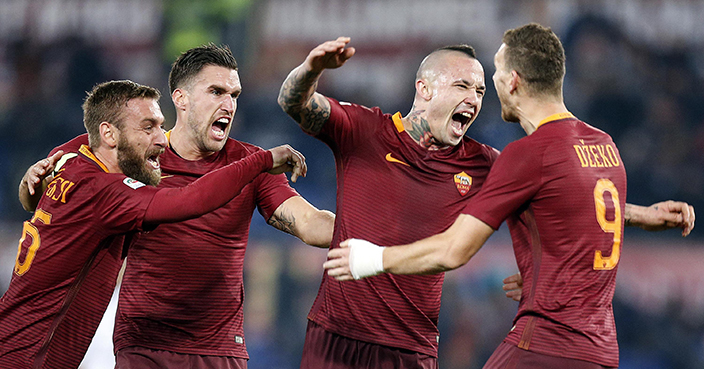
(366, 258)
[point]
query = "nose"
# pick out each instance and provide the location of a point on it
(229, 104)
(160, 139)
(473, 98)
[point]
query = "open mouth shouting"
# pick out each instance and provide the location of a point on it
(153, 158)
(461, 120)
(219, 128)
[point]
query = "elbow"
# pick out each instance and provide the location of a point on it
(318, 230)
(455, 255)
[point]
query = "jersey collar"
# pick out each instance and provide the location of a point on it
(555, 117)
(85, 150)
(398, 122)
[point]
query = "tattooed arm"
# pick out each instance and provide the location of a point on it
(303, 220)
(298, 97)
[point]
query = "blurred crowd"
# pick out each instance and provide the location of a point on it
(649, 97)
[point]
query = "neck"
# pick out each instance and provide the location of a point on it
(184, 146)
(416, 125)
(533, 110)
(108, 157)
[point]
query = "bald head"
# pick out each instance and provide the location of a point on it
(435, 60)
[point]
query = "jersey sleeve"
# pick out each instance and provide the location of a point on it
(271, 192)
(122, 204)
(513, 180)
(349, 125)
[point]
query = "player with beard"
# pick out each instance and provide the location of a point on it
(181, 298)
(71, 250)
(425, 173)
(562, 192)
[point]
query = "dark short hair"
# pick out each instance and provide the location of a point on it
(191, 62)
(106, 101)
(463, 48)
(536, 53)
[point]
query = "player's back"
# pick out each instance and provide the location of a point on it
(568, 240)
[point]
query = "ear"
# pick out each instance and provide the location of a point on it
(108, 134)
(423, 90)
(514, 82)
(179, 98)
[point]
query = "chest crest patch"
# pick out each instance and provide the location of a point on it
(463, 182)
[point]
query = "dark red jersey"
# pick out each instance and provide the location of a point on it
(182, 289)
(392, 191)
(562, 191)
(68, 260)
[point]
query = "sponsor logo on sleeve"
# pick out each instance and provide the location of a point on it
(463, 182)
(133, 183)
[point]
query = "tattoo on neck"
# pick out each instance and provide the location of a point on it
(420, 130)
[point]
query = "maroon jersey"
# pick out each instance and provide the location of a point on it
(182, 290)
(563, 192)
(68, 260)
(392, 191)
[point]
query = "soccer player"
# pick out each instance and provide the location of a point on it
(399, 178)
(181, 298)
(71, 250)
(562, 191)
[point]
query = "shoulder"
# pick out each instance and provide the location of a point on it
(235, 149)
(357, 109)
(471, 146)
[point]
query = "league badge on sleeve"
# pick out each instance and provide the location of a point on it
(463, 182)
(133, 183)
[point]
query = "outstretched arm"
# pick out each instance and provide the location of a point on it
(448, 250)
(35, 181)
(298, 97)
(661, 216)
(303, 220)
(216, 188)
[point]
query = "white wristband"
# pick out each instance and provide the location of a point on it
(366, 258)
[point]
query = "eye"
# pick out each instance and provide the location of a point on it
(216, 92)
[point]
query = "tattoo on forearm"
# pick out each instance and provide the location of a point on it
(297, 98)
(284, 222)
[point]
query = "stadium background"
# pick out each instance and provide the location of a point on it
(634, 68)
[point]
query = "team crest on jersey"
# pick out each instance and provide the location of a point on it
(463, 182)
(133, 183)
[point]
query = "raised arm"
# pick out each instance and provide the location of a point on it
(661, 216)
(298, 97)
(216, 188)
(303, 220)
(448, 250)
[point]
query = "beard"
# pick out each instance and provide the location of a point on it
(135, 166)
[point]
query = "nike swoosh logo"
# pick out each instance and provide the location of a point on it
(394, 160)
(167, 176)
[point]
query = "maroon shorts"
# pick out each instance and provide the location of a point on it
(144, 358)
(508, 356)
(325, 350)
